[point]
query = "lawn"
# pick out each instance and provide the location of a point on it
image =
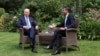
(9, 47)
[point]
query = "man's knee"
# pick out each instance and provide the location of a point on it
(57, 31)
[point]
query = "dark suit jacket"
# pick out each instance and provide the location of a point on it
(21, 22)
(31, 32)
(70, 22)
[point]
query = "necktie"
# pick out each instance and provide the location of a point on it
(28, 22)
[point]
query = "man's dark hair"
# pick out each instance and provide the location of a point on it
(68, 9)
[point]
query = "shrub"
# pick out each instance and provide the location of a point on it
(2, 10)
(12, 25)
(1, 22)
(6, 18)
(8, 23)
(90, 25)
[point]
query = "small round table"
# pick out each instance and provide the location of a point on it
(45, 37)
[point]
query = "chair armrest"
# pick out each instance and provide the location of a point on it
(20, 28)
(72, 29)
(21, 32)
(37, 32)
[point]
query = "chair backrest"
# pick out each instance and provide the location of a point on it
(77, 23)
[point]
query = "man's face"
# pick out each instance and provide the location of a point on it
(64, 11)
(26, 12)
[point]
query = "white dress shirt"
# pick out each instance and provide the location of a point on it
(66, 20)
(28, 22)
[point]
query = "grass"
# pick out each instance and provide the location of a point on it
(9, 47)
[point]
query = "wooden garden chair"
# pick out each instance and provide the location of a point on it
(23, 40)
(71, 36)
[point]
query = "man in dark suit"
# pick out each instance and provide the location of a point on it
(29, 26)
(60, 30)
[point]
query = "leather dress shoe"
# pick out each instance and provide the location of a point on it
(48, 47)
(56, 52)
(34, 51)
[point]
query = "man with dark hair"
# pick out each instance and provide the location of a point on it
(60, 30)
(29, 26)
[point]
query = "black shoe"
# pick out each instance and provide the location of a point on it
(48, 47)
(34, 51)
(56, 52)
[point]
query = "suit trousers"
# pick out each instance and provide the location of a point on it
(31, 33)
(58, 34)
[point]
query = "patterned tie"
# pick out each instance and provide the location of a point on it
(28, 22)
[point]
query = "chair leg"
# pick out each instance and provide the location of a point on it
(23, 46)
(77, 47)
(20, 44)
(66, 49)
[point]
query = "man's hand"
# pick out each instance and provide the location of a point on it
(26, 27)
(62, 28)
(52, 26)
(37, 27)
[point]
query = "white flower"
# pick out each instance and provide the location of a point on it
(15, 17)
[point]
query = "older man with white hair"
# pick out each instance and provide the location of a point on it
(29, 26)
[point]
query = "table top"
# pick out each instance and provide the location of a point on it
(45, 34)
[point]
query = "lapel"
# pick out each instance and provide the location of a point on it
(30, 20)
(24, 21)
(67, 18)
